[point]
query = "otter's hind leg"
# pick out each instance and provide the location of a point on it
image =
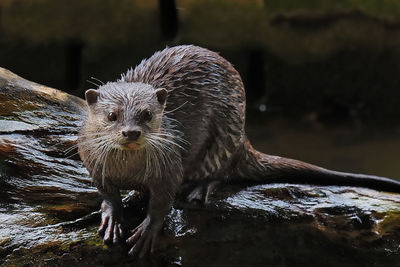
(201, 193)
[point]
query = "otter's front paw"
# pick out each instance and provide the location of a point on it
(143, 238)
(111, 227)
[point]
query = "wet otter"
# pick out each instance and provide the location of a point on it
(179, 116)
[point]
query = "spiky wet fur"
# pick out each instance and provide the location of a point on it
(198, 135)
(100, 140)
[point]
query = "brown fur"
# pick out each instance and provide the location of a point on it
(195, 133)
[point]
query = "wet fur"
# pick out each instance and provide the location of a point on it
(197, 135)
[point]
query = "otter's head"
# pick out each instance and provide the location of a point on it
(125, 114)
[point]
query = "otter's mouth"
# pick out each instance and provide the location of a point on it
(131, 146)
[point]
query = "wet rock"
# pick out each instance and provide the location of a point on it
(49, 208)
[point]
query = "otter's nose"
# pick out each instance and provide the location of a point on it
(131, 135)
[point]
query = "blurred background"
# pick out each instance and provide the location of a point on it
(322, 79)
(324, 74)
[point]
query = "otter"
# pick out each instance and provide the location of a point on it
(179, 116)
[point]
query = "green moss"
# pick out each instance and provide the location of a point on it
(390, 223)
(4, 241)
(96, 241)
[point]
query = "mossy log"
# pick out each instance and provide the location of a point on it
(49, 207)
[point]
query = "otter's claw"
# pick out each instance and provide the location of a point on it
(110, 228)
(143, 239)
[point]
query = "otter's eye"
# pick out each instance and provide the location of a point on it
(112, 116)
(146, 115)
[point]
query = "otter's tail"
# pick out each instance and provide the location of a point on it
(261, 167)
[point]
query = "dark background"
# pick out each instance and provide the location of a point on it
(321, 61)
(326, 72)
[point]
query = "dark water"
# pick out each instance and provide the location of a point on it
(367, 148)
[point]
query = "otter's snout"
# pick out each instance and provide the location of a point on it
(131, 135)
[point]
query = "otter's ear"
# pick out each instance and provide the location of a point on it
(91, 96)
(161, 95)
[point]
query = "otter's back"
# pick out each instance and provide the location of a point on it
(206, 102)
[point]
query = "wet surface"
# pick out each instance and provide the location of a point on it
(49, 208)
